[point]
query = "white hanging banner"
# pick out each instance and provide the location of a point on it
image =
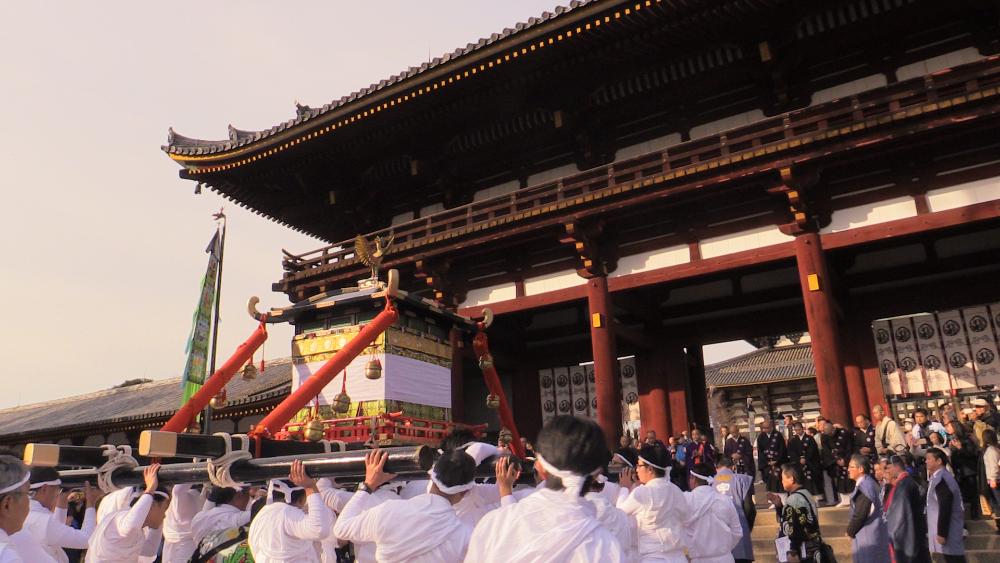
(886, 357)
(931, 353)
(907, 356)
(630, 389)
(591, 390)
(979, 327)
(563, 398)
(578, 390)
(547, 385)
(956, 349)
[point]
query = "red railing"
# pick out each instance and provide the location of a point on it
(382, 428)
(791, 131)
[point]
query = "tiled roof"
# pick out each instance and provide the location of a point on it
(767, 365)
(156, 399)
(181, 145)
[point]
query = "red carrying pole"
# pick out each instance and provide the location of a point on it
(292, 404)
(481, 345)
(183, 417)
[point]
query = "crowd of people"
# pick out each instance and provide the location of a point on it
(909, 495)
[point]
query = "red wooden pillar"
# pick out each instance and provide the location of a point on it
(863, 343)
(653, 397)
(602, 340)
(698, 387)
(854, 377)
(678, 388)
(821, 318)
(457, 376)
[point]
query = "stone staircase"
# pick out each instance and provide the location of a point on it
(982, 544)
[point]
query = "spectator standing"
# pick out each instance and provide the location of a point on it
(945, 516)
(965, 462)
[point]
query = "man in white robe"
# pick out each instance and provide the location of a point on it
(713, 526)
(227, 509)
(658, 506)
(14, 506)
(121, 537)
(185, 503)
(604, 495)
(46, 520)
(423, 529)
(337, 499)
(282, 532)
(555, 524)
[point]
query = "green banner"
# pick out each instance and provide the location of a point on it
(201, 327)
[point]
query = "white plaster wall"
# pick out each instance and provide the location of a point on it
(726, 123)
(871, 214)
(743, 240)
(657, 144)
(848, 88)
(492, 294)
(401, 218)
(662, 258)
(552, 282)
(431, 209)
(940, 62)
(960, 195)
(552, 174)
(495, 191)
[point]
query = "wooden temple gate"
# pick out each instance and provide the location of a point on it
(643, 178)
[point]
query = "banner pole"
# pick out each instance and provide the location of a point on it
(207, 416)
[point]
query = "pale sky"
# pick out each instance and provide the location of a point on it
(101, 252)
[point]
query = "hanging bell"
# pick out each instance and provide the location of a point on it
(485, 362)
(341, 403)
(249, 371)
(506, 436)
(314, 430)
(219, 400)
(194, 427)
(374, 369)
(492, 401)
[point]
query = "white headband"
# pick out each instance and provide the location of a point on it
(625, 461)
(708, 480)
(651, 464)
(450, 490)
(572, 482)
(16, 486)
(43, 483)
(138, 494)
(281, 487)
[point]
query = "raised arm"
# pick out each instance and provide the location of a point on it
(315, 524)
(136, 516)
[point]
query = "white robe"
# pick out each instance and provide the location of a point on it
(480, 500)
(121, 538)
(337, 499)
(222, 517)
(622, 525)
(178, 544)
(424, 529)
(50, 531)
(660, 511)
(545, 526)
(113, 502)
(29, 549)
(282, 533)
(713, 526)
(8, 551)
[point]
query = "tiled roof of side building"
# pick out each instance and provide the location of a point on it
(767, 365)
(155, 399)
(181, 145)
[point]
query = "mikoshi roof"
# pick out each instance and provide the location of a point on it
(766, 365)
(156, 399)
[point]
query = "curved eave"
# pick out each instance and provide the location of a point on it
(564, 25)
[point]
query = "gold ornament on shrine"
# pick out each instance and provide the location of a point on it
(374, 368)
(485, 362)
(249, 371)
(314, 430)
(341, 403)
(492, 401)
(219, 400)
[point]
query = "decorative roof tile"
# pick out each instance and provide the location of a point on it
(155, 399)
(767, 365)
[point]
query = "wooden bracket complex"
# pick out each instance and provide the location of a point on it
(439, 277)
(797, 187)
(594, 247)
